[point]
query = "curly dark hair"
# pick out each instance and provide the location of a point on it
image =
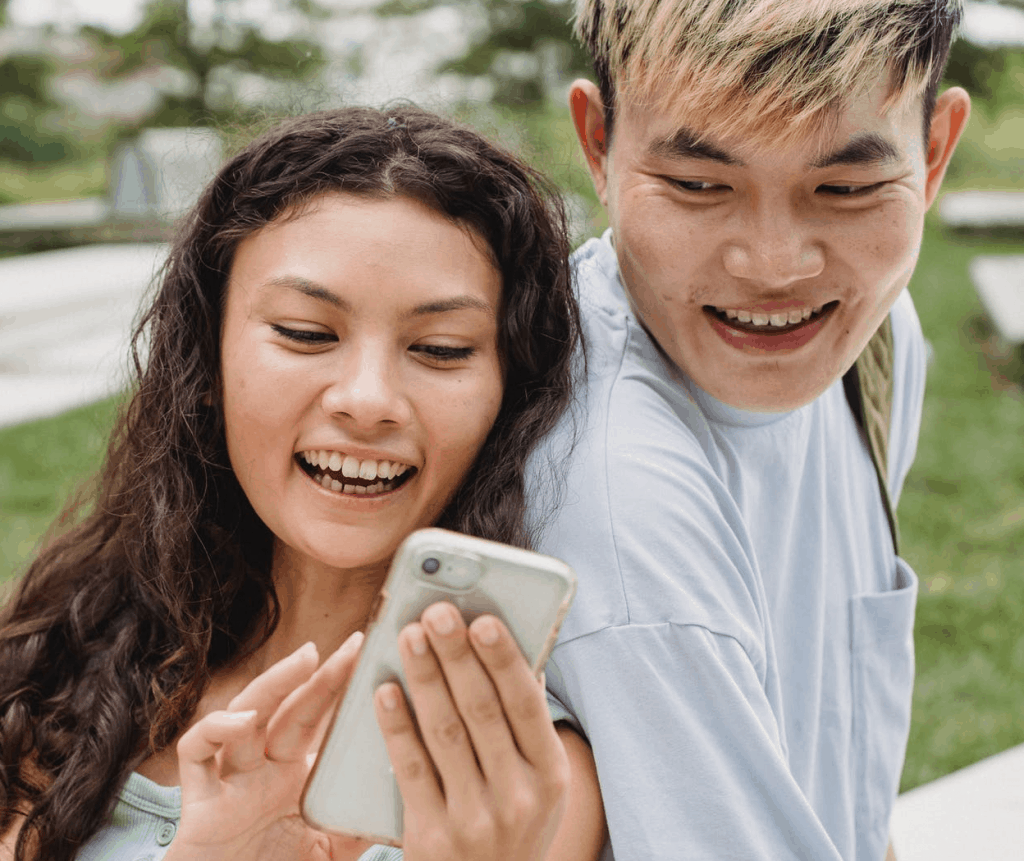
(116, 627)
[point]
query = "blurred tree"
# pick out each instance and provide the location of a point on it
(213, 57)
(26, 105)
(524, 47)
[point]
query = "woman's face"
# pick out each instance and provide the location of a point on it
(360, 373)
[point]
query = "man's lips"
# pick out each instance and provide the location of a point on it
(759, 337)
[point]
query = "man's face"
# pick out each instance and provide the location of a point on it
(761, 269)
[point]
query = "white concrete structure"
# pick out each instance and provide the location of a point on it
(975, 814)
(65, 320)
(983, 209)
(999, 280)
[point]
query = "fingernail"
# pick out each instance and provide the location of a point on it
(486, 631)
(307, 649)
(389, 698)
(417, 642)
(442, 620)
(241, 717)
(352, 644)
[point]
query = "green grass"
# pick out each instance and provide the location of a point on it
(42, 464)
(962, 515)
(64, 181)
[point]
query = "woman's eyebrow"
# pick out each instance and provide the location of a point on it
(869, 148)
(463, 302)
(311, 289)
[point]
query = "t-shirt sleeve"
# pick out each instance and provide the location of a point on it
(678, 712)
(909, 371)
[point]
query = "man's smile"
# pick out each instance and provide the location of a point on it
(768, 336)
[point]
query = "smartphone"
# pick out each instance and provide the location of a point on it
(351, 789)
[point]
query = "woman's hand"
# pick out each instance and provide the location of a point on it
(485, 776)
(242, 770)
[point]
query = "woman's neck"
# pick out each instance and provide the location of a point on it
(318, 603)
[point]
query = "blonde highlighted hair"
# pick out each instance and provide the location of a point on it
(771, 69)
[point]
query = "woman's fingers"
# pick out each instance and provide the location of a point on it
(522, 696)
(412, 765)
(471, 688)
(268, 690)
(198, 748)
(440, 724)
(299, 721)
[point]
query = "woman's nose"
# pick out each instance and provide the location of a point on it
(367, 391)
(774, 249)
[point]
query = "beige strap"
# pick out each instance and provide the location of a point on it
(868, 386)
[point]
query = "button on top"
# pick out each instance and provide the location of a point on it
(166, 833)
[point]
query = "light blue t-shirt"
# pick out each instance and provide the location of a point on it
(740, 652)
(145, 821)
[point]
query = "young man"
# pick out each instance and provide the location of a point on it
(740, 652)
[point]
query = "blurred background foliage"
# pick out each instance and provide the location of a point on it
(70, 91)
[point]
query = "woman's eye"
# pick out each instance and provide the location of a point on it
(850, 190)
(441, 353)
(304, 336)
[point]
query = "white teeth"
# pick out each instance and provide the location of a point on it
(795, 316)
(323, 458)
(335, 461)
(818, 309)
(779, 319)
(743, 316)
(759, 319)
(400, 470)
(350, 467)
(360, 490)
(806, 314)
(350, 488)
(335, 485)
(384, 469)
(368, 470)
(731, 314)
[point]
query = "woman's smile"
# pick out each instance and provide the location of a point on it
(352, 476)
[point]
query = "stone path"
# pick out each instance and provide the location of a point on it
(64, 323)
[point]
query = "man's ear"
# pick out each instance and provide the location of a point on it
(588, 117)
(949, 118)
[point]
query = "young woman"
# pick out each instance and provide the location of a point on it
(363, 329)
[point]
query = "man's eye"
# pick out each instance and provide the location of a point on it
(850, 190)
(303, 336)
(441, 353)
(698, 185)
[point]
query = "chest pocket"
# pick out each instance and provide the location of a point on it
(882, 647)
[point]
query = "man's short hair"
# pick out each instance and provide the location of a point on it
(772, 69)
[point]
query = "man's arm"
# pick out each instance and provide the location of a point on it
(690, 759)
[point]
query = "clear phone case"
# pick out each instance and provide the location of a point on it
(352, 789)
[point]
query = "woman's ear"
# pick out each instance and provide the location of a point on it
(588, 117)
(949, 118)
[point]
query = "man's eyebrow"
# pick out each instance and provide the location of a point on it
(865, 149)
(686, 144)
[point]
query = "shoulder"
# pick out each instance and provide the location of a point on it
(645, 517)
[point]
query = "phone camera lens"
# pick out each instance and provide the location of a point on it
(431, 565)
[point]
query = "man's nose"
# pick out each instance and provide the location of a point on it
(774, 247)
(367, 389)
